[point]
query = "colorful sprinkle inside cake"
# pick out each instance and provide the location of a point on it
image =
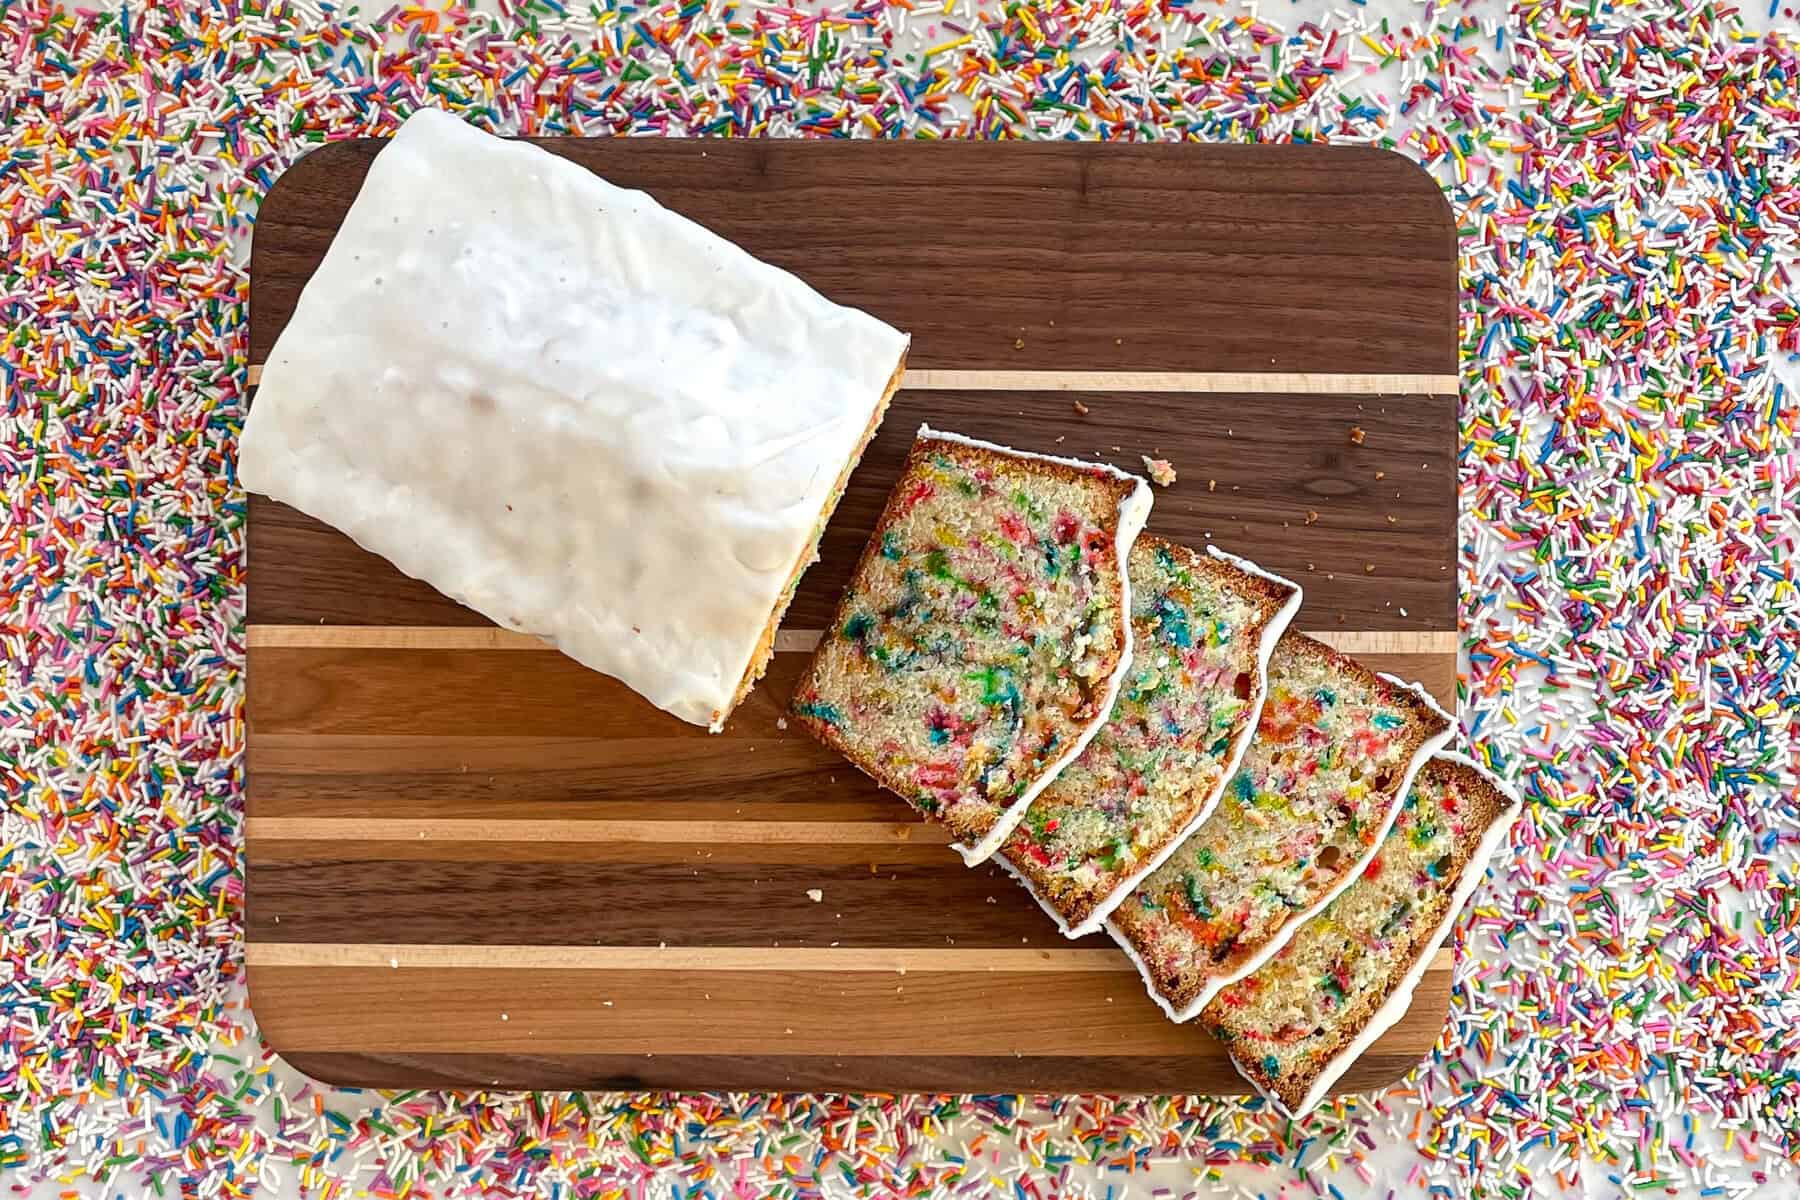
(983, 637)
(1203, 628)
(1348, 974)
(1334, 753)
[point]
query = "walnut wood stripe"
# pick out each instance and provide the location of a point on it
(685, 894)
(1206, 1069)
(705, 833)
(1230, 258)
(1275, 476)
(696, 958)
(341, 690)
(787, 641)
(698, 860)
(1248, 382)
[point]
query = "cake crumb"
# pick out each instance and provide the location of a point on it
(1381, 474)
(1212, 485)
(1081, 409)
(781, 722)
(1311, 516)
(816, 895)
(1161, 470)
(1018, 343)
(1368, 568)
(1357, 435)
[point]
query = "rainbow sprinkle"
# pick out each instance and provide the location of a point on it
(1627, 180)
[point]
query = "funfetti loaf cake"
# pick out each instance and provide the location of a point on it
(1203, 628)
(574, 411)
(1334, 754)
(1298, 1023)
(984, 634)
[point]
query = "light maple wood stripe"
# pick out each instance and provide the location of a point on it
(1278, 382)
(787, 641)
(359, 829)
(1281, 382)
(695, 958)
(1387, 641)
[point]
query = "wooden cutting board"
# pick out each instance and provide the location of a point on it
(473, 862)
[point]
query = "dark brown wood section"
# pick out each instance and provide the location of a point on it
(1396, 1053)
(421, 782)
(1274, 477)
(1188, 258)
(480, 1026)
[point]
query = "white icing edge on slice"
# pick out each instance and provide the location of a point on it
(1134, 510)
(1265, 650)
(1400, 999)
(1429, 747)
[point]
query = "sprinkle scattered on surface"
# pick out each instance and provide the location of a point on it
(1624, 180)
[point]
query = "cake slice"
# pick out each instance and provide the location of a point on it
(1334, 753)
(576, 412)
(1203, 628)
(1296, 1024)
(984, 634)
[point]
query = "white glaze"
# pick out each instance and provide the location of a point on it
(1400, 999)
(1265, 650)
(1133, 511)
(1267, 950)
(580, 414)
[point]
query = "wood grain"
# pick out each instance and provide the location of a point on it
(788, 641)
(985, 1014)
(1312, 383)
(1392, 1056)
(1097, 257)
(448, 821)
(1286, 487)
(394, 692)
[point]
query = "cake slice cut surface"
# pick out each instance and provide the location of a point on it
(984, 634)
(1203, 628)
(1334, 754)
(1298, 1023)
(572, 410)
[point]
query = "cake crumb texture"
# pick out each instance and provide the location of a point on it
(1188, 700)
(1286, 1022)
(980, 632)
(1313, 796)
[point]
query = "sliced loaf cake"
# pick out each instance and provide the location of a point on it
(1299, 1022)
(1334, 753)
(1203, 627)
(984, 634)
